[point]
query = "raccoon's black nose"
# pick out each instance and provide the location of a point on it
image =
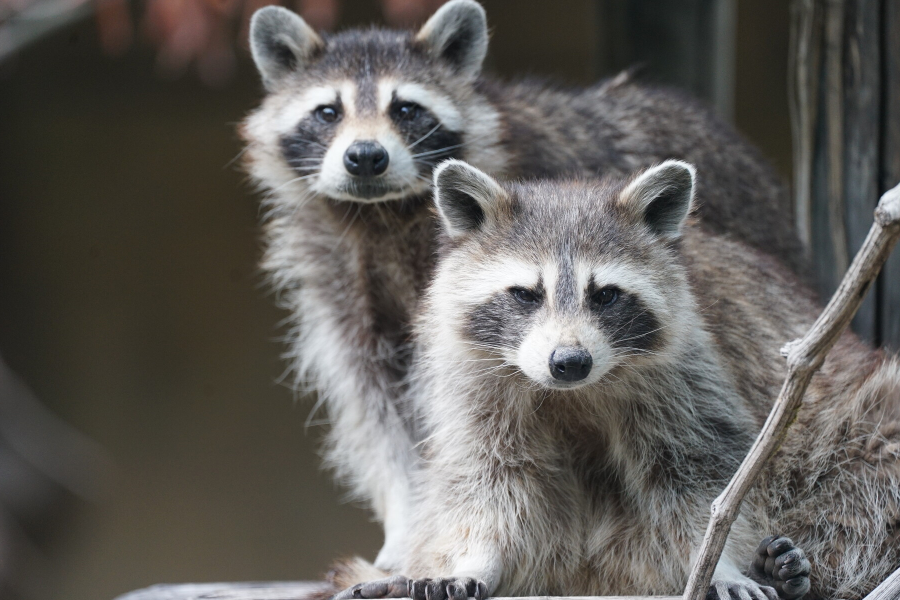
(366, 159)
(570, 363)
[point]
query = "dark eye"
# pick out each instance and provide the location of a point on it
(408, 110)
(525, 297)
(605, 296)
(327, 114)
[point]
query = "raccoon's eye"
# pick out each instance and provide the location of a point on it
(525, 297)
(327, 114)
(408, 110)
(605, 296)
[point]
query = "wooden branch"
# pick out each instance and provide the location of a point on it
(888, 590)
(297, 591)
(804, 357)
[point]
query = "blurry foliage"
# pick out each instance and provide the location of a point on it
(205, 34)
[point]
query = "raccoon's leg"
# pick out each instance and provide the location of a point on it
(783, 566)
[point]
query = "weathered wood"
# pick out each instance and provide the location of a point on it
(686, 43)
(888, 590)
(838, 120)
(280, 590)
(803, 87)
(297, 591)
(804, 357)
(836, 263)
(862, 127)
(889, 285)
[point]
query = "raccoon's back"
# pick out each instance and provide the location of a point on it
(619, 126)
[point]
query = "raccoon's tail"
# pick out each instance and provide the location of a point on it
(350, 571)
(842, 492)
(345, 573)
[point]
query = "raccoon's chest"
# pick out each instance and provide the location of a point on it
(391, 262)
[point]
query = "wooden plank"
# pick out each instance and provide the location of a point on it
(889, 286)
(888, 590)
(278, 590)
(297, 591)
(862, 126)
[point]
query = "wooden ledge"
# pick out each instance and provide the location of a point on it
(296, 590)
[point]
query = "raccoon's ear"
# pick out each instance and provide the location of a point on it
(458, 34)
(466, 198)
(281, 42)
(662, 197)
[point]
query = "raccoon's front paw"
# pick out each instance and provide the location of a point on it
(447, 588)
(783, 566)
(391, 587)
(740, 590)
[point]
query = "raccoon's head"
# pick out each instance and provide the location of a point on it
(365, 115)
(567, 283)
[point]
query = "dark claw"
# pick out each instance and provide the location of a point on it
(781, 565)
(456, 592)
(417, 588)
(445, 588)
(436, 589)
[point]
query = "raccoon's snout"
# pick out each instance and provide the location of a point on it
(570, 363)
(366, 159)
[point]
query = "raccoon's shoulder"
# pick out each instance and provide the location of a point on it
(728, 272)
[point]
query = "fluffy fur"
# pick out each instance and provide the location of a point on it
(350, 256)
(535, 485)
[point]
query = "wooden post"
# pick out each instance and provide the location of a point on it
(845, 106)
(686, 43)
(889, 285)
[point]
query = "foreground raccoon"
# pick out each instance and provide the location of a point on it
(345, 143)
(591, 371)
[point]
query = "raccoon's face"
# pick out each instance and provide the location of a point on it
(366, 115)
(568, 283)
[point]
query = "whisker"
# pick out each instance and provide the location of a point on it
(424, 137)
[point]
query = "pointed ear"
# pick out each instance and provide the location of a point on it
(662, 197)
(281, 43)
(457, 33)
(466, 198)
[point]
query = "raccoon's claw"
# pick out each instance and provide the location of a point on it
(447, 588)
(780, 564)
(391, 587)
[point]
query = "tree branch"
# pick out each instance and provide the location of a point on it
(804, 357)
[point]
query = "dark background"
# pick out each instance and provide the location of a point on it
(131, 303)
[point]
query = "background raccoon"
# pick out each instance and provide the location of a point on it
(344, 145)
(591, 371)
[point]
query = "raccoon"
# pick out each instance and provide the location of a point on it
(344, 145)
(592, 368)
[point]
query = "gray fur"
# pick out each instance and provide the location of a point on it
(350, 261)
(464, 197)
(281, 43)
(536, 489)
(458, 34)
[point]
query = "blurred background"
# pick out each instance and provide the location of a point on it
(146, 433)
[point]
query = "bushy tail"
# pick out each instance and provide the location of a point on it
(836, 482)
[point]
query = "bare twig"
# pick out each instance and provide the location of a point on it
(804, 357)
